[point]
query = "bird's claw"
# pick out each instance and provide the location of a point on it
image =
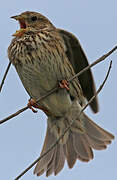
(64, 84)
(32, 102)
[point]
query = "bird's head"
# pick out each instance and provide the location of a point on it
(34, 20)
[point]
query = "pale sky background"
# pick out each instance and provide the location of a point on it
(21, 139)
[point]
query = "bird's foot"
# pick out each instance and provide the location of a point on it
(31, 104)
(64, 84)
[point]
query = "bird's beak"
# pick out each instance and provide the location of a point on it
(18, 17)
(22, 23)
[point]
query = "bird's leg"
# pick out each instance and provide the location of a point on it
(64, 84)
(32, 103)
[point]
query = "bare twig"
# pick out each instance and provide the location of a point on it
(100, 88)
(13, 115)
(56, 88)
(38, 159)
(6, 72)
(102, 58)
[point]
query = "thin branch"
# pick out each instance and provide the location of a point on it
(100, 88)
(4, 77)
(102, 58)
(38, 159)
(13, 115)
(56, 88)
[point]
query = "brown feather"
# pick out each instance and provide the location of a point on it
(51, 164)
(60, 159)
(94, 130)
(82, 147)
(71, 154)
(43, 163)
(79, 61)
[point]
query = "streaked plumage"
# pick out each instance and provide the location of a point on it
(43, 56)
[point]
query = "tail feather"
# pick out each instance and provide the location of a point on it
(60, 159)
(96, 143)
(70, 153)
(82, 147)
(51, 164)
(43, 163)
(54, 160)
(96, 131)
(83, 136)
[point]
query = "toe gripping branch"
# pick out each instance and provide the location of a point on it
(31, 104)
(64, 84)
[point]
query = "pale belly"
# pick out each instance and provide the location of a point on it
(38, 82)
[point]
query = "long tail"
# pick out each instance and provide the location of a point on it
(77, 143)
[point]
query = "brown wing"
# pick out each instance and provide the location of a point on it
(79, 61)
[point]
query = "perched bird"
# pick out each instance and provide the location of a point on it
(46, 57)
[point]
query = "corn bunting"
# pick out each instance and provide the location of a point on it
(45, 57)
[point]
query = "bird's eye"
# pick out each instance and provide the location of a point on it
(34, 18)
